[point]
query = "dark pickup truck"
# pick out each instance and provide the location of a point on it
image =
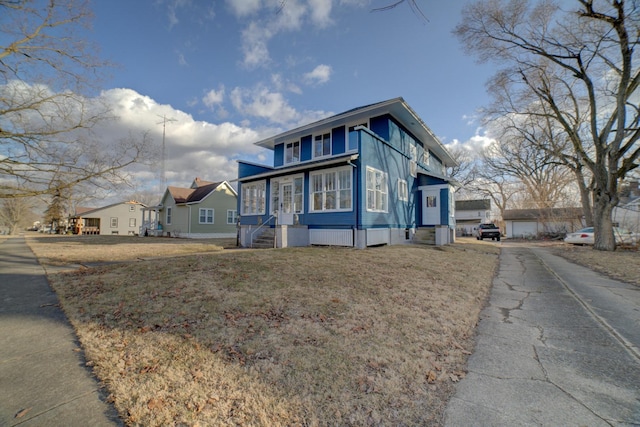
(485, 231)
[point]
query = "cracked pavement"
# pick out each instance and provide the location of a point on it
(558, 344)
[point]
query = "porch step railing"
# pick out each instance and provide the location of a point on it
(266, 237)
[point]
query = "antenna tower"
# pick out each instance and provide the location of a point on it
(163, 177)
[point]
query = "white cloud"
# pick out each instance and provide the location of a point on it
(272, 106)
(194, 148)
(262, 103)
(242, 8)
(321, 12)
(321, 74)
(213, 97)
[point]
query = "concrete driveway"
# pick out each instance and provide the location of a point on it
(558, 344)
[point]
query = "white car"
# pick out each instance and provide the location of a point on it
(585, 236)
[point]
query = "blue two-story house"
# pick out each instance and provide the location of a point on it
(369, 176)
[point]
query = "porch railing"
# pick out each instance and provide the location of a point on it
(274, 217)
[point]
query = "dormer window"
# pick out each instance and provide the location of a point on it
(322, 145)
(292, 152)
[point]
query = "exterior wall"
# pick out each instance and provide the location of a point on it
(179, 217)
(399, 158)
(122, 214)
(220, 200)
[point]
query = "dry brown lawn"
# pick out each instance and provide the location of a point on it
(289, 337)
(621, 265)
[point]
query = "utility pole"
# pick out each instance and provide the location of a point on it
(163, 177)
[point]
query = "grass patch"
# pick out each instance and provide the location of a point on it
(621, 264)
(304, 336)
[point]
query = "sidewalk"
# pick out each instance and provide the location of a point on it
(557, 345)
(43, 378)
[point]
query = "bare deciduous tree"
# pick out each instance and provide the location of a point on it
(16, 214)
(45, 120)
(580, 65)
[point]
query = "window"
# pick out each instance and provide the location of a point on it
(253, 198)
(114, 222)
(331, 190)
(426, 157)
(206, 216)
(352, 136)
(132, 222)
(376, 190)
(403, 192)
(132, 208)
(432, 202)
(322, 145)
(292, 152)
(232, 216)
(168, 216)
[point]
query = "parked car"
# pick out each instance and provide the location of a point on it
(486, 231)
(585, 237)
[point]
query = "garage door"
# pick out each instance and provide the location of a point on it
(524, 229)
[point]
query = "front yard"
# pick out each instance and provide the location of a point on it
(306, 336)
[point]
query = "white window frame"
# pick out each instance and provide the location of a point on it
(322, 139)
(426, 157)
(132, 222)
(274, 184)
(232, 216)
(292, 159)
(338, 187)
(377, 184)
(208, 219)
(403, 190)
(132, 208)
(254, 198)
(168, 215)
(113, 222)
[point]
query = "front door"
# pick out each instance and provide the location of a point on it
(431, 207)
(286, 204)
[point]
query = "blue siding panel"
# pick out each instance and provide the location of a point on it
(248, 169)
(379, 155)
(278, 155)
(444, 206)
(338, 143)
(306, 148)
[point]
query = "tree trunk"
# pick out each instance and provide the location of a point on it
(604, 239)
(585, 198)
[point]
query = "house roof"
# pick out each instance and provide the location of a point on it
(84, 211)
(396, 107)
(195, 195)
(473, 205)
(200, 183)
(546, 213)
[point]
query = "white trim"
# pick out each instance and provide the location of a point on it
(336, 189)
(284, 180)
(403, 190)
(234, 216)
(206, 216)
(259, 208)
(383, 191)
(313, 144)
(292, 143)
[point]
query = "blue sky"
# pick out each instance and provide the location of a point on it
(235, 71)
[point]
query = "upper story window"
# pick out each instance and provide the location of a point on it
(322, 145)
(403, 190)
(168, 216)
(292, 152)
(426, 157)
(352, 136)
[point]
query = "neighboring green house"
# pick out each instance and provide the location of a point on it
(205, 210)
